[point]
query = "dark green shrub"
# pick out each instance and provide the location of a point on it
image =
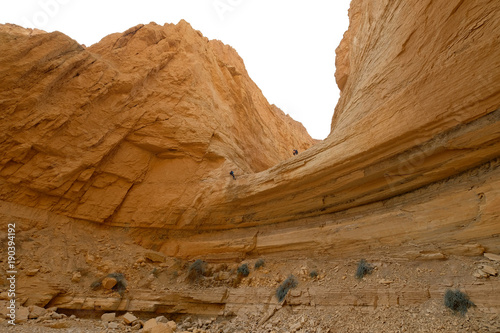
(364, 268)
(290, 283)
(457, 301)
(243, 270)
(196, 270)
(313, 274)
(259, 263)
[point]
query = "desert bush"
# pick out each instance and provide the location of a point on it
(313, 274)
(363, 269)
(196, 270)
(243, 270)
(290, 283)
(259, 263)
(457, 301)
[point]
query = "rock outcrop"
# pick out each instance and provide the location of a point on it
(136, 129)
(138, 133)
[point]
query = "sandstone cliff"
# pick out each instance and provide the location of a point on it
(136, 129)
(408, 178)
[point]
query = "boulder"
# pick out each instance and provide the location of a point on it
(108, 317)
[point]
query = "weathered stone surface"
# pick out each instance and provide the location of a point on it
(107, 317)
(129, 318)
(489, 270)
(154, 256)
(22, 314)
(149, 325)
(36, 311)
(492, 256)
(138, 128)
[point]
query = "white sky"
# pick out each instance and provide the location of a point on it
(288, 45)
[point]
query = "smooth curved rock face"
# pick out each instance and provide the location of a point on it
(417, 121)
(137, 129)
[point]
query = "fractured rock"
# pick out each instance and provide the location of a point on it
(154, 256)
(489, 270)
(129, 318)
(492, 256)
(108, 317)
(148, 326)
(22, 314)
(36, 311)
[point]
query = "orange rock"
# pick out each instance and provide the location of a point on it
(135, 129)
(109, 282)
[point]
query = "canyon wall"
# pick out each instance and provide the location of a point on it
(141, 129)
(138, 128)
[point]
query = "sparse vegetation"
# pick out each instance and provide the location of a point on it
(155, 272)
(259, 263)
(243, 270)
(313, 274)
(363, 269)
(196, 270)
(457, 301)
(290, 283)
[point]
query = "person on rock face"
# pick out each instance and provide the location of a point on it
(232, 174)
(295, 152)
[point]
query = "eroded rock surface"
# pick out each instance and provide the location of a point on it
(136, 129)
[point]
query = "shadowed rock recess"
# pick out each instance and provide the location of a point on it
(133, 139)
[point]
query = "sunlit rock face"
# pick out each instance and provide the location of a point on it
(137, 129)
(142, 129)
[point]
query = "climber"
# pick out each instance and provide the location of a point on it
(232, 174)
(295, 152)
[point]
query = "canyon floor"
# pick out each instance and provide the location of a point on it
(400, 295)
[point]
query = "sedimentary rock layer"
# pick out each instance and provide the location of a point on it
(137, 128)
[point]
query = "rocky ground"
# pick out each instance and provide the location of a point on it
(428, 317)
(401, 294)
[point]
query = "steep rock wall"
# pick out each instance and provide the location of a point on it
(138, 128)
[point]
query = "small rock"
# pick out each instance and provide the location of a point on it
(76, 277)
(107, 317)
(136, 327)
(489, 270)
(32, 272)
(155, 257)
(479, 273)
(113, 325)
(56, 316)
(492, 256)
(172, 325)
(109, 282)
(129, 318)
(148, 326)
(22, 314)
(161, 319)
(384, 281)
(36, 311)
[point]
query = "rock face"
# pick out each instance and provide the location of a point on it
(413, 153)
(136, 129)
(139, 132)
(141, 129)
